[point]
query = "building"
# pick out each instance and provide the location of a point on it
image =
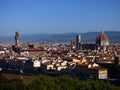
(73, 45)
(102, 42)
(88, 46)
(102, 39)
(16, 38)
(78, 42)
(91, 71)
(113, 67)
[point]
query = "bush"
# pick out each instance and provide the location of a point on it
(64, 82)
(68, 83)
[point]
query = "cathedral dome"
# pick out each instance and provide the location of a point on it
(102, 39)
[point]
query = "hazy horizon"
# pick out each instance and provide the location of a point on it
(24, 34)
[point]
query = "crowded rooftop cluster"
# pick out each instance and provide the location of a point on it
(99, 60)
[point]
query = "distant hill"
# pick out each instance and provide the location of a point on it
(114, 37)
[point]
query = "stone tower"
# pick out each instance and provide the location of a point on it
(16, 38)
(78, 42)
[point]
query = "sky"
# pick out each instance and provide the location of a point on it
(58, 16)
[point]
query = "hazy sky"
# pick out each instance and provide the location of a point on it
(58, 16)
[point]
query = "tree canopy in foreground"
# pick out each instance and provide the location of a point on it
(64, 82)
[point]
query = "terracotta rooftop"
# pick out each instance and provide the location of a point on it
(102, 37)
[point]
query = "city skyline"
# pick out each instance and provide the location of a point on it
(58, 16)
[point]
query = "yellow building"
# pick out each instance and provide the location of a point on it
(91, 71)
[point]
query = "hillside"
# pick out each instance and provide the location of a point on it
(114, 37)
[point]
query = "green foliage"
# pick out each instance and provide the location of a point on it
(64, 82)
(11, 84)
(68, 83)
